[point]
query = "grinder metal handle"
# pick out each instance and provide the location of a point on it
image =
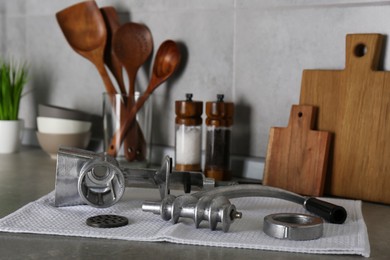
(330, 212)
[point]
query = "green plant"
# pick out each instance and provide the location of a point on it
(12, 80)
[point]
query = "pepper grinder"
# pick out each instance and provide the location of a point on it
(219, 122)
(188, 135)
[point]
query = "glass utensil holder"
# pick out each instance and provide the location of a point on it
(135, 149)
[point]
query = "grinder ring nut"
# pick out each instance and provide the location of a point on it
(293, 226)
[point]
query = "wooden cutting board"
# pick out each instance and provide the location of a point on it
(354, 104)
(297, 155)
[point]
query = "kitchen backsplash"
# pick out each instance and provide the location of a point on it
(252, 51)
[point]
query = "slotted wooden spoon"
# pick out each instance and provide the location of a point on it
(133, 44)
(166, 61)
(134, 143)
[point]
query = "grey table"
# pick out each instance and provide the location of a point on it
(30, 174)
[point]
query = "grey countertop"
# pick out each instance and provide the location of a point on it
(30, 174)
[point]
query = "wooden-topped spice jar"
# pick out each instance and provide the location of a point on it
(219, 122)
(188, 134)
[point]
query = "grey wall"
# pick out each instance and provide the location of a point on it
(253, 51)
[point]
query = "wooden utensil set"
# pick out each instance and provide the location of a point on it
(354, 106)
(97, 35)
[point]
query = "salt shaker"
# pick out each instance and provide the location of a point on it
(219, 122)
(188, 135)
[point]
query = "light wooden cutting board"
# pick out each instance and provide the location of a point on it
(297, 155)
(354, 104)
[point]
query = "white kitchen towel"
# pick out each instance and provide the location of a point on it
(41, 217)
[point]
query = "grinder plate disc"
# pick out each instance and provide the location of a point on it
(107, 221)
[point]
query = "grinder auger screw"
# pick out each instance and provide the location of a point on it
(212, 209)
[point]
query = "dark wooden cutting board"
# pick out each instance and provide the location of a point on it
(354, 104)
(297, 155)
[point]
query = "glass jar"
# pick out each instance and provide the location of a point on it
(219, 123)
(188, 134)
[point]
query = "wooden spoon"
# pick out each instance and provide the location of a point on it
(84, 29)
(114, 65)
(166, 61)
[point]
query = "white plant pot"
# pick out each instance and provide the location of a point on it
(10, 135)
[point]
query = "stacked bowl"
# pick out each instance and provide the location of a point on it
(59, 126)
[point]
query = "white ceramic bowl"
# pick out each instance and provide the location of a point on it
(51, 125)
(45, 110)
(51, 142)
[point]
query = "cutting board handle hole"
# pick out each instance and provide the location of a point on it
(300, 114)
(360, 50)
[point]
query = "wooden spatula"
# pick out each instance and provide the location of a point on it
(297, 155)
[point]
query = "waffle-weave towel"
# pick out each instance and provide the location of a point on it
(42, 217)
